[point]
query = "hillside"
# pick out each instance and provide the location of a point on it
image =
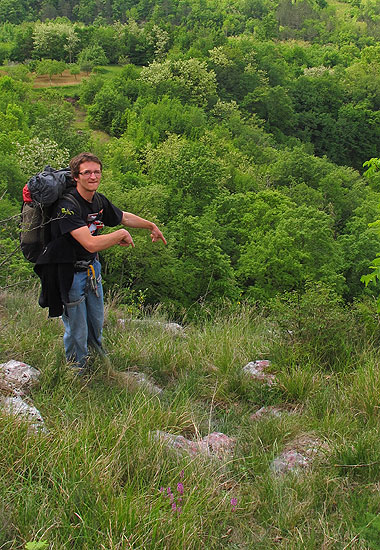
(249, 132)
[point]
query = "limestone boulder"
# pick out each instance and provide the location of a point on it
(17, 407)
(17, 377)
(272, 411)
(258, 370)
(172, 328)
(299, 454)
(214, 445)
(136, 380)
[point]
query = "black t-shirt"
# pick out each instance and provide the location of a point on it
(93, 214)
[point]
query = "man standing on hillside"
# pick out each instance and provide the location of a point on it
(82, 218)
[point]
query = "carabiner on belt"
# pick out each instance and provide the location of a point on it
(92, 278)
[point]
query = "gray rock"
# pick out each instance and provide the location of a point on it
(277, 412)
(134, 380)
(18, 377)
(177, 442)
(15, 406)
(217, 444)
(173, 328)
(256, 370)
(265, 412)
(299, 454)
(141, 380)
(289, 461)
(214, 445)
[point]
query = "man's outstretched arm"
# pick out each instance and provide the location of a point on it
(131, 220)
(97, 243)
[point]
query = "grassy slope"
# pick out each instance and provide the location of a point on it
(93, 480)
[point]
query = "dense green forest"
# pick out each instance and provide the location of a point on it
(241, 128)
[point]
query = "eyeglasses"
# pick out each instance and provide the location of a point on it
(87, 173)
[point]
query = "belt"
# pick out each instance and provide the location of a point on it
(82, 265)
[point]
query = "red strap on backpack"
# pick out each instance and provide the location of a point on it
(26, 194)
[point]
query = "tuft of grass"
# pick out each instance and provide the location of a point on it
(364, 383)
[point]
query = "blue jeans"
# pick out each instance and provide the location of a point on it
(84, 319)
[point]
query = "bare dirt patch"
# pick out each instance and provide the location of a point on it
(65, 79)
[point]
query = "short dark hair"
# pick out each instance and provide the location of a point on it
(79, 159)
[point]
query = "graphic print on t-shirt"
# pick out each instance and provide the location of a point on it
(93, 223)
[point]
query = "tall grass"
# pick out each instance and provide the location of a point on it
(93, 480)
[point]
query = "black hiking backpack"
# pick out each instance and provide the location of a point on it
(40, 195)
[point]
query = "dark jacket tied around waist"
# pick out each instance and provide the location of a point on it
(55, 268)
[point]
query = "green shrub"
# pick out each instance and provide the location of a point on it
(315, 328)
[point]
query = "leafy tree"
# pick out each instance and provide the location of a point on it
(37, 153)
(89, 88)
(85, 11)
(159, 39)
(48, 11)
(293, 15)
(274, 106)
(198, 252)
(13, 119)
(189, 170)
(72, 41)
(55, 40)
(236, 69)
(153, 122)
(50, 67)
(343, 191)
(290, 167)
(107, 38)
(5, 51)
(317, 100)
(267, 27)
(372, 172)
(55, 122)
(19, 72)
(74, 69)
(11, 91)
(22, 42)
(339, 190)
(360, 242)
(271, 63)
(188, 79)
(358, 135)
(90, 57)
(362, 83)
(227, 214)
(109, 104)
(13, 11)
(12, 178)
(374, 276)
(122, 157)
(299, 247)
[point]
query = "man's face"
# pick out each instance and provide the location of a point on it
(89, 176)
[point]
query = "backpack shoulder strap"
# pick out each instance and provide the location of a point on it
(97, 201)
(70, 197)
